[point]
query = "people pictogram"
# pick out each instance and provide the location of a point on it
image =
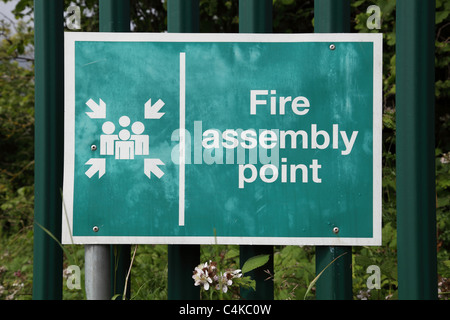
(124, 146)
(141, 141)
(123, 141)
(107, 139)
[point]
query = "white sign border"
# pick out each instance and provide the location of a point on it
(69, 135)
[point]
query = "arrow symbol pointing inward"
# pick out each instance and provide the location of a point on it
(98, 110)
(97, 165)
(151, 166)
(152, 111)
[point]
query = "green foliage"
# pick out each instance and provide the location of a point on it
(17, 127)
(219, 16)
(149, 273)
(443, 212)
(16, 265)
(294, 270)
(73, 255)
(291, 16)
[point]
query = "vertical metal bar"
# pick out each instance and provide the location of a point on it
(97, 272)
(331, 16)
(336, 282)
(416, 202)
(182, 261)
(49, 132)
(120, 260)
(182, 16)
(115, 17)
(255, 16)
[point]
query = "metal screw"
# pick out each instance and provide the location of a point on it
(95, 229)
(332, 47)
(336, 230)
(93, 147)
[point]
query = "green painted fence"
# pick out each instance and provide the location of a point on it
(415, 161)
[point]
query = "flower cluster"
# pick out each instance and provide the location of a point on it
(207, 274)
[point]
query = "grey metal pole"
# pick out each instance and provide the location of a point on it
(97, 271)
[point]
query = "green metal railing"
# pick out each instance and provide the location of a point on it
(416, 217)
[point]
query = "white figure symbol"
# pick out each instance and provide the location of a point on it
(141, 141)
(107, 139)
(124, 146)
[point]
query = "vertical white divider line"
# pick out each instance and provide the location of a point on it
(182, 145)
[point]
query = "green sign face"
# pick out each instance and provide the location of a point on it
(241, 139)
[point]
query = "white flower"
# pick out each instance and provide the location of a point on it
(201, 276)
(236, 273)
(445, 158)
(363, 295)
(224, 281)
(205, 274)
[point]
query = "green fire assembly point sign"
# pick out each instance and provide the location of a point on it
(222, 138)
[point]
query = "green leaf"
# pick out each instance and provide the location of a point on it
(441, 16)
(255, 262)
(232, 253)
(357, 3)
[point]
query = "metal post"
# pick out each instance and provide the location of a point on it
(336, 282)
(256, 16)
(49, 129)
(120, 260)
(182, 16)
(416, 202)
(331, 16)
(115, 17)
(182, 261)
(97, 272)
